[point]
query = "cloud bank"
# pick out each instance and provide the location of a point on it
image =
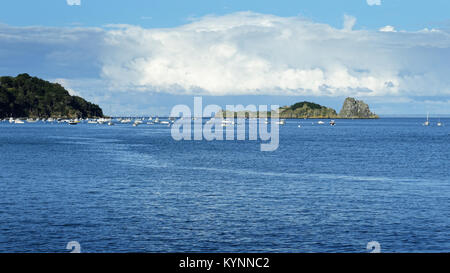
(236, 54)
(249, 53)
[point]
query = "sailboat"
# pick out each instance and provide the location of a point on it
(427, 123)
(439, 123)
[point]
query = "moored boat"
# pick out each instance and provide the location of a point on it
(427, 123)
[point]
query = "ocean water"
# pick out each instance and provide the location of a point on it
(135, 189)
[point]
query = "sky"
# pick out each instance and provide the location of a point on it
(141, 57)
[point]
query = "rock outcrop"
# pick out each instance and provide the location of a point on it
(353, 108)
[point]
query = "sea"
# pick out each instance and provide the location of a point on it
(136, 189)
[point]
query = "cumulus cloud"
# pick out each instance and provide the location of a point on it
(249, 53)
(73, 2)
(373, 2)
(387, 29)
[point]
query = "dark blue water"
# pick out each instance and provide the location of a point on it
(135, 189)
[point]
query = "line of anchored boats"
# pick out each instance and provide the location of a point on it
(134, 121)
(108, 121)
(151, 121)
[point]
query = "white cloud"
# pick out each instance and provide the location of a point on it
(387, 29)
(374, 2)
(73, 2)
(248, 53)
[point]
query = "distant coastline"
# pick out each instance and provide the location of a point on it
(351, 109)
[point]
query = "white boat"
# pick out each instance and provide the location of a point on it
(281, 122)
(427, 123)
(164, 122)
(11, 120)
(103, 120)
(320, 122)
(125, 121)
(157, 120)
(227, 122)
(110, 123)
(18, 121)
(332, 123)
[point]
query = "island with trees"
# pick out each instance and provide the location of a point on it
(26, 96)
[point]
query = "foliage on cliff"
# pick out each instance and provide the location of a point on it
(25, 96)
(307, 110)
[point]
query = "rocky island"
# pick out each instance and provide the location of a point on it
(352, 109)
(26, 96)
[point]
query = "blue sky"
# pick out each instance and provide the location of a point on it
(142, 57)
(404, 14)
